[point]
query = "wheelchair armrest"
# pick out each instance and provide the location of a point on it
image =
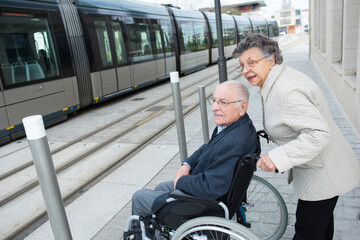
(162, 204)
(180, 195)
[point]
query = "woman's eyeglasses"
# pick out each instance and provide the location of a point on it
(248, 65)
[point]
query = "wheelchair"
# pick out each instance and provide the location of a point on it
(182, 216)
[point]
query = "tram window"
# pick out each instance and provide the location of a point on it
(140, 44)
(119, 42)
(104, 43)
(199, 28)
(260, 29)
(167, 35)
(159, 48)
(243, 31)
(214, 34)
(263, 30)
(229, 34)
(273, 31)
(158, 42)
(188, 35)
(26, 49)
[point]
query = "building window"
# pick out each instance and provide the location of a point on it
(285, 14)
(285, 22)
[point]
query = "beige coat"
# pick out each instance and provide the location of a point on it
(298, 119)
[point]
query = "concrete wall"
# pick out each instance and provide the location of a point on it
(335, 49)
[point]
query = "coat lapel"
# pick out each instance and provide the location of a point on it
(270, 80)
(217, 137)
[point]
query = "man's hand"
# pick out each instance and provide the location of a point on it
(183, 170)
(266, 164)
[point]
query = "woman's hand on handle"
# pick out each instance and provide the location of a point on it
(266, 164)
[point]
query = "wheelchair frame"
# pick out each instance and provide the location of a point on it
(259, 190)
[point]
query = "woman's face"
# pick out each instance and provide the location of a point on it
(255, 66)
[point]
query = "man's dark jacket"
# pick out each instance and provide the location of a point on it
(213, 164)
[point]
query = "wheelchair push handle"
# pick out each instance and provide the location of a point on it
(263, 134)
(258, 157)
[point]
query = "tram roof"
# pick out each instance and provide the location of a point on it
(257, 19)
(212, 16)
(51, 1)
(124, 5)
(239, 18)
(271, 20)
(187, 13)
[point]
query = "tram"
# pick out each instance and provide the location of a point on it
(58, 56)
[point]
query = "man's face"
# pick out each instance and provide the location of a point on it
(229, 113)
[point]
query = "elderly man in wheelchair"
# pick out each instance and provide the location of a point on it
(212, 181)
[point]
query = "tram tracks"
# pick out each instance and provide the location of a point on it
(83, 137)
(125, 129)
(94, 154)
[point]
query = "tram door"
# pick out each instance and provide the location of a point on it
(123, 69)
(166, 31)
(111, 71)
(189, 48)
(202, 54)
(144, 68)
(214, 44)
(229, 37)
(159, 50)
(108, 78)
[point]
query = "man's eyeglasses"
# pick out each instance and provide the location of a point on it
(248, 65)
(221, 103)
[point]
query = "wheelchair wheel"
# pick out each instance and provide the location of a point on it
(214, 228)
(265, 210)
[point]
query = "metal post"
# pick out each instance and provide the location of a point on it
(175, 87)
(36, 135)
(221, 59)
(203, 110)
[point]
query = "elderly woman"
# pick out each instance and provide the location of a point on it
(321, 163)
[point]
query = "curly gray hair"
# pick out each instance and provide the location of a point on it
(268, 47)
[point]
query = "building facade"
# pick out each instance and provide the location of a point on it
(335, 49)
(292, 20)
